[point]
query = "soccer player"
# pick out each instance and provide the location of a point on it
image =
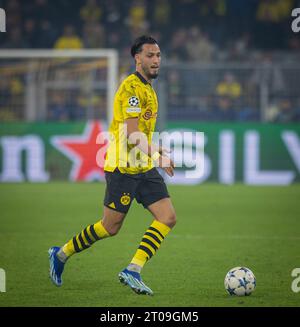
(130, 172)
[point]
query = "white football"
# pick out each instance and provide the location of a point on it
(240, 281)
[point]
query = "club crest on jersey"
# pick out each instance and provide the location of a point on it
(125, 199)
(133, 101)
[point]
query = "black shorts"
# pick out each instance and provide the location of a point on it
(121, 189)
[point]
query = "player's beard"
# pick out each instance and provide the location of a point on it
(149, 74)
(153, 76)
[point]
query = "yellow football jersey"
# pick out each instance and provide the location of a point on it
(134, 98)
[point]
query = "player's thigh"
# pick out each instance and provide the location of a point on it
(163, 211)
(151, 189)
(120, 191)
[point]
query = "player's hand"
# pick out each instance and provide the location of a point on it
(164, 151)
(167, 164)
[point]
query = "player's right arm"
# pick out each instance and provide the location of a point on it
(136, 137)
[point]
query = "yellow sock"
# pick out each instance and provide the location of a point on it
(85, 239)
(150, 243)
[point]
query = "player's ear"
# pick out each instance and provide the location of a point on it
(137, 58)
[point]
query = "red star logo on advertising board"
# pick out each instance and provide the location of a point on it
(87, 152)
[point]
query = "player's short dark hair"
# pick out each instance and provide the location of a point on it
(139, 42)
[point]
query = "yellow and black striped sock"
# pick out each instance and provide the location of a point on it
(150, 243)
(85, 239)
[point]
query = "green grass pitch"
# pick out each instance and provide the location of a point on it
(219, 227)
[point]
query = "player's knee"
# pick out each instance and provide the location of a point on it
(169, 219)
(172, 220)
(113, 231)
(112, 221)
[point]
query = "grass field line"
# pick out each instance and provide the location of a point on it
(228, 237)
(237, 237)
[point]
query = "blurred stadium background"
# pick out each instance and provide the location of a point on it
(224, 60)
(230, 69)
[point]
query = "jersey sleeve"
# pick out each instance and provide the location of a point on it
(131, 103)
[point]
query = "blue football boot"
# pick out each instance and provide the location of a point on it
(134, 281)
(56, 266)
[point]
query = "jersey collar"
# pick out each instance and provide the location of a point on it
(141, 78)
